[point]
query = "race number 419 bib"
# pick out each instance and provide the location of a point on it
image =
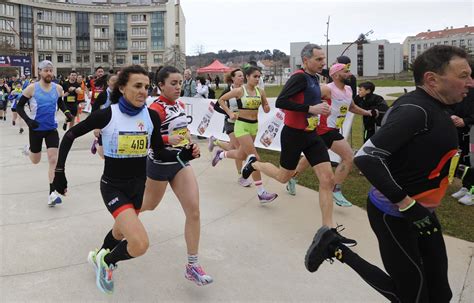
(132, 143)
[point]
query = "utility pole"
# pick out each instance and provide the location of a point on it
(327, 39)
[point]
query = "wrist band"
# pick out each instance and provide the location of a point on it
(406, 208)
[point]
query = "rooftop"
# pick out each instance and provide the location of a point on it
(447, 32)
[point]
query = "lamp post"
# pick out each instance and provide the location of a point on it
(358, 40)
(394, 56)
(327, 38)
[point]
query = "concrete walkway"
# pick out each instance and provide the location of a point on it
(255, 253)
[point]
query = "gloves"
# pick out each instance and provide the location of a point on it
(422, 220)
(69, 116)
(60, 181)
(32, 124)
(185, 154)
(374, 113)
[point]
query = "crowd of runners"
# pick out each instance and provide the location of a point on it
(146, 147)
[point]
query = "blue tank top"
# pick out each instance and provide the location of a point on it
(43, 107)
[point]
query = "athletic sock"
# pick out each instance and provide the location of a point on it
(192, 259)
(259, 185)
(51, 188)
(109, 241)
(222, 155)
(119, 253)
(337, 188)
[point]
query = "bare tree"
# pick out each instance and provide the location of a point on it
(175, 56)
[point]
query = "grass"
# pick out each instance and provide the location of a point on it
(457, 220)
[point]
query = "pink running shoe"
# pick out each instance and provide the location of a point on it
(195, 273)
(217, 157)
(267, 197)
(244, 182)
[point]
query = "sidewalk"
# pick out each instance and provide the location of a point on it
(255, 253)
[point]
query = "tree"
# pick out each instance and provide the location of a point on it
(175, 56)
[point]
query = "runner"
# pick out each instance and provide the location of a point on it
(407, 161)
(235, 80)
(44, 98)
(15, 95)
(249, 99)
(340, 100)
(179, 174)
(301, 101)
(4, 92)
(128, 129)
(72, 89)
(81, 97)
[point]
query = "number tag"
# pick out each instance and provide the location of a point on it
(340, 121)
(132, 143)
(313, 122)
(71, 99)
(182, 132)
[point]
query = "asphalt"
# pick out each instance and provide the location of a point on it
(255, 253)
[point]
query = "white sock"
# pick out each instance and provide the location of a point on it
(259, 185)
(192, 259)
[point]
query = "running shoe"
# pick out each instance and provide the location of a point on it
(104, 273)
(340, 199)
(217, 157)
(195, 273)
(460, 193)
(247, 169)
(26, 150)
(319, 250)
(291, 186)
(92, 259)
(13, 122)
(466, 199)
(244, 182)
(267, 197)
(211, 143)
(21, 130)
(54, 199)
(94, 146)
(343, 240)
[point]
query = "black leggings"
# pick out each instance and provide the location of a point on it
(417, 267)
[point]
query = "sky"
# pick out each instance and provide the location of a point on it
(213, 25)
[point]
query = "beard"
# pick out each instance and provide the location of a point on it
(47, 79)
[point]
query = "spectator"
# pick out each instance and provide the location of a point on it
(202, 88)
(189, 85)
(217, 80)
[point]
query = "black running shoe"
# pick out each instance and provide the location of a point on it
(319, 250)
(21, 130)
(247, 169)
(64, 126)
(343, 240)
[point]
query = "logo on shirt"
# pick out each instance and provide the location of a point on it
(141, 125)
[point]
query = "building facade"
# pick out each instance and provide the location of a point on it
(80, 36)
(462, 37)
(369, 59)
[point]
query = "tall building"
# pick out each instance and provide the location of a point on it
(462, 37)
(369, 59)
(84, 34)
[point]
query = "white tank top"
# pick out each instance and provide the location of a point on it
(340, 102)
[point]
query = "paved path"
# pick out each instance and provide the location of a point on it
(255, 253)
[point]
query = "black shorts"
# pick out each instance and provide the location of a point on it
(3, 104)
(72, 107)
(13, 109)
(228, 127)
(296, 141)
(330, 137)
(122, 194)
(51, 138)
(162, 172)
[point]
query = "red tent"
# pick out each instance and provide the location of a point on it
(214, 67)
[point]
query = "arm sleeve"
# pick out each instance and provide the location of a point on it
(101, 99)
(294, 85)
(96, 120)
(20, 108)
(402, 124)
(157, 144)
(61, 104)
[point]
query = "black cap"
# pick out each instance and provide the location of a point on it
(343, 60)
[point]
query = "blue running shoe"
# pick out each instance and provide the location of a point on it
(340, 199)
(217, 157)
(92, 259)
(291, 186)
(104, 274)
(54, 199)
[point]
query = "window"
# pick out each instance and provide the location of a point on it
(6, 25)
(8, 39)
(101, 58)
(139, 59)
(64, 58)
(418, 46)
(6, 10)
(425, 45)
(446, 42)
(78, 58)
(138, 18)
(101, 45)
(462, 43)
(469, 42)
(82, 31)
(42, 57)
(101, 32)
(120, 31)
(432, 44)
(120, 59)
(438, 43)
(139, 31)
(157, 30)
(101, 19)
(63, 44)
(141, 45)
(105, 58)
(45, 15)
(63, 31)
(45, 44)
(86, 59)
(63, 17)
(157, 58)
(44, 29)
(143, 59)
(453, 42)
(381, 57)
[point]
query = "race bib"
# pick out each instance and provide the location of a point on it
(452, 167)
(71, 99)
(313, 122)
(182, 132)
(253, 103)
(340, 121)
(132, 143)
(96, 94)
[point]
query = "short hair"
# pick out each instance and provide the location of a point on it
(165, 72)
(307, 51)
(98, 67)
(435, 59)
(73, 72)
(368, 85)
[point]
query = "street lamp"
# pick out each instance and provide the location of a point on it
(360, 39)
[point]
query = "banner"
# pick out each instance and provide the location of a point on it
(21, 61)
(269, 124)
